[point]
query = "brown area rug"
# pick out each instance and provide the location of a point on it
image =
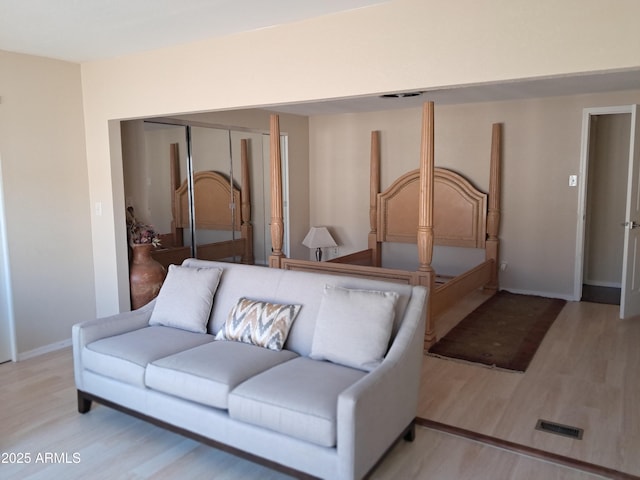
(504, 332)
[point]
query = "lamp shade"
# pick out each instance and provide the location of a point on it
(319, 237)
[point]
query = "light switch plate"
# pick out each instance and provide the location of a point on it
(573, 180)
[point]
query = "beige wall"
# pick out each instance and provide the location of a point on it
(399, 45)
(46, 199)
(541, 148)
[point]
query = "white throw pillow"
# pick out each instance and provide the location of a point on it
(353, 327)
(185, 298)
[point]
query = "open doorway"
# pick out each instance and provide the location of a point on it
(608, 234)
(607, 172)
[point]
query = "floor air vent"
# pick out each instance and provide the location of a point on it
(558, 429)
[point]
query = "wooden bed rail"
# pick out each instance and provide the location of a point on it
(363, 257)
(448, 293)
(377, 273)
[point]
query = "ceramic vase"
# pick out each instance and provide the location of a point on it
(145, 275)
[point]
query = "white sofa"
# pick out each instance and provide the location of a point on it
(305, 409)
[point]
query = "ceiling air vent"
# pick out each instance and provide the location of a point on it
(401, 95)
(559, 429)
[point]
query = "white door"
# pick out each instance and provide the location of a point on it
(6, 310)
(6, 336)
(630, 299)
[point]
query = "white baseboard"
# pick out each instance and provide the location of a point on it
(52, 347)
(597, 283)
(568, 298)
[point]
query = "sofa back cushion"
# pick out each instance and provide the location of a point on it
(353, 327)
(288, 287)
(185, 298)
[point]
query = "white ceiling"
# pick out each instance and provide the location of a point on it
(85, 30)
(88, 30)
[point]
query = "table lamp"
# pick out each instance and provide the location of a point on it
(319, 238)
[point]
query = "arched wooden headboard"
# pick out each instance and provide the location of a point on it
(460, 210)
(212, 201)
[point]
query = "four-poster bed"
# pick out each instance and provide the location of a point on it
(428, 206)
(215, 202)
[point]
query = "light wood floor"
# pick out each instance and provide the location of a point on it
(585, 374)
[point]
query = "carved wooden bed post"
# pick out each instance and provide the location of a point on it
(493, 212)
(245, 204)
(277, 222)
(174, 168)
(426, 274)
(374, 189)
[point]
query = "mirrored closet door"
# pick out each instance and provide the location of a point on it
(204, 189)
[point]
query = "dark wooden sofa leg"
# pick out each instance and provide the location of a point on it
(410, 433)
(84, 403)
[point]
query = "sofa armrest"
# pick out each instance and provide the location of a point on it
(376, 410)
(91, 330)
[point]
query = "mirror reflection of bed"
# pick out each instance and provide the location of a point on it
(221, 215)
(230, 188)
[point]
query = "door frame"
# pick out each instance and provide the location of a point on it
(583, 173)
(6, 295)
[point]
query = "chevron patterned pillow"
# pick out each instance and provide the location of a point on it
(260, 323)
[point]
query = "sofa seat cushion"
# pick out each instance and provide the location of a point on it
(206, 374)
(125, 357)
(298, 398)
